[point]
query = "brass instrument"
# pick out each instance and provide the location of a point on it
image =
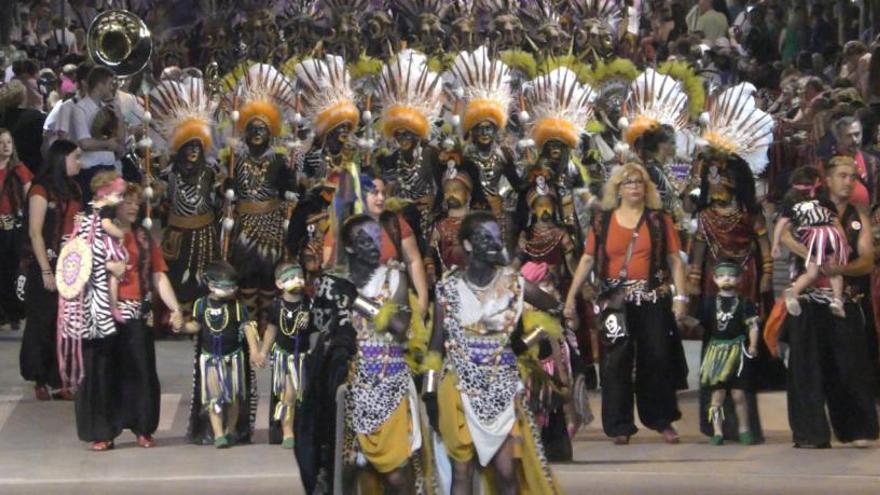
(120, 41)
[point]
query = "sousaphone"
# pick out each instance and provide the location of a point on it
(120, 41)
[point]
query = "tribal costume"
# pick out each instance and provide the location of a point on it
(382, 418)
(480, 396)
(260, 177)
(545, 252)
(222, 373)
(260, 181)
(655, 111)
(483, 97)
(561, 107)
(729, 220)
(182, 115)
(288, 354)
(410, 96)
(726, 321)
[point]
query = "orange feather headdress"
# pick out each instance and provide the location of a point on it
(182, 112)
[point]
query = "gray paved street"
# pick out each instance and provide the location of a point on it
(40, 454)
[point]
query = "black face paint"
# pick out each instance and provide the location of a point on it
(257, 135)
(484, 134)
(554, 149)
(487, 244)
(406, 140)
(366, 243)
(336, 138)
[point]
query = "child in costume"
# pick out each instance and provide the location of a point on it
(730, 322)
(225, 334)
(815, 220)
(287, 338)
(108, 188)
(87, 309)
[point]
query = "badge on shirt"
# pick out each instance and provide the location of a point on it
(856, 225)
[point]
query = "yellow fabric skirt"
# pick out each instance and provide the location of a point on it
(534, 475)
(388, 448)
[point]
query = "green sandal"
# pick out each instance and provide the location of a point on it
(716, 440)
(287, 443)
(221, 442)
(746, 438)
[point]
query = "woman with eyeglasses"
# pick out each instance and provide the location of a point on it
(634, 249)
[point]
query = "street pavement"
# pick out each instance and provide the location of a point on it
(40, 454)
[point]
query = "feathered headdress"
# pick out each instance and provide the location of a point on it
(599, 14)
(654, 99)
(182, 112)
(264, 93)
(560, 107)
(484, 88)
(410, 94)
(325, 93)
(735, 125)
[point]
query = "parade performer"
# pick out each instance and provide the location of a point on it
(546, 257)
(808, 210)
(730, 324)
(611, 80)
(484, 96)
(182, 113)
(560, 107)
(634, 249)
(54, 202)
(286, 340)
(410, 96)
(730, 223)
(139, 392)
(310, 224)
(654, 111)
(222, 375)
(479, 408)
(329, 107)
(458, 185)
(362, 347)
(86, 329)
(260, 180)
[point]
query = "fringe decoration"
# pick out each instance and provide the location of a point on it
(723, 360)
(230, 375)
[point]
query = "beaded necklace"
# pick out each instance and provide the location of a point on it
(211, 312)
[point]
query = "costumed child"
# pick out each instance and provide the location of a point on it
(225, 333)
(730, 325)
(808, 209)
(287, 339)
(108, 189)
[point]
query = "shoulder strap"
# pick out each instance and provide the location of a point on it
(630, 247)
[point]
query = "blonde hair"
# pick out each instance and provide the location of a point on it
(611, 197)
(101, 179)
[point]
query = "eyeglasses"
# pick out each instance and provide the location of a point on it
(633, 183)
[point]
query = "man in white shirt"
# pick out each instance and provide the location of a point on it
(59, 122)
(99, 152)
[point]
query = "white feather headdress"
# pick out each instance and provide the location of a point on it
(264, 93)
(560, 106)
(181, 112)
(736, 125)
(654, 99)
(410, 94)
(325, 92)
(482, 86)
